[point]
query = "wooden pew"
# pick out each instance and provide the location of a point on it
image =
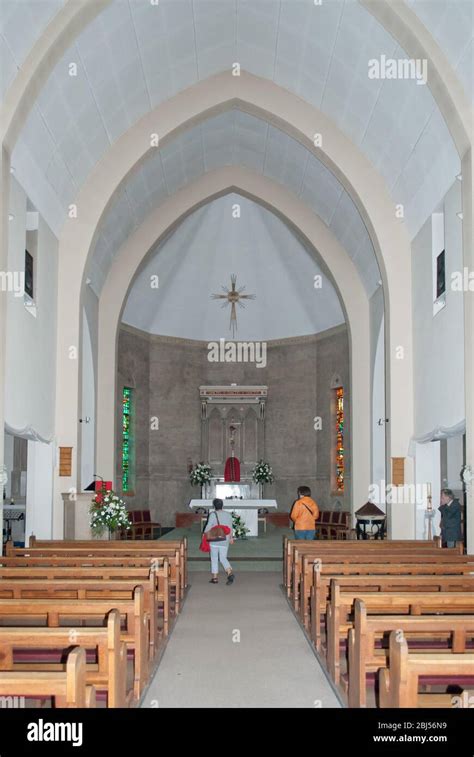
(110, 672)
(380, 577)
(364, 657)
(339, 609)
(81, 587)
(366, 547)
(101, 557)
(303, 571)
(120, 546)
(72, 568)
(67, 688)
(296, 550)
(54, 611)
(399, 684)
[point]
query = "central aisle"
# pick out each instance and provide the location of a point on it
(271, 666)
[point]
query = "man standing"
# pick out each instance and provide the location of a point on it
(450, 510)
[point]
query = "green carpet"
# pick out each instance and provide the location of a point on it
(262, 553)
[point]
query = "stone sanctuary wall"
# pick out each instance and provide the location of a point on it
(165, 374)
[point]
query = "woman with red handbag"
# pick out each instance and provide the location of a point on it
(218, 534)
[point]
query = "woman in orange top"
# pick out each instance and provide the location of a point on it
(304, 514)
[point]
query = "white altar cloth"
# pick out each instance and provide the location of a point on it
(246, 508)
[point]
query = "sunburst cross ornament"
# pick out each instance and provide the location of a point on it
(233, 297)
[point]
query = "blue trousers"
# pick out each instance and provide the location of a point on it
(308, 534)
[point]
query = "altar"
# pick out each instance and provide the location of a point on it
(246, 508)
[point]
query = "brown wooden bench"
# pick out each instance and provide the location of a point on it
(369, 548)
(364, 656)
(303, 565)
(67, 688)
(296, 549)
(109, 673)
(164, 546)
(149, 555)
(54, 612)
(339, 611)
(399, 684)
(402, 579)
(108, 567)
(82, 587)
(322, 573)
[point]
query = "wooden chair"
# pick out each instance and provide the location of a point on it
(143, 528)
(333, 524)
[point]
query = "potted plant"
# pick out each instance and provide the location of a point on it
(108, 513)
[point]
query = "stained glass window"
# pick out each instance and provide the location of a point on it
(127, 396)
(339, 472)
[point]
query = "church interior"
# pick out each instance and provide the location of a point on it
(236, 348)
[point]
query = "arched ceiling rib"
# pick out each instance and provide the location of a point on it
(135, 55)
(235, 138)
(198, 258)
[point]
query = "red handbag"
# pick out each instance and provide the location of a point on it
(204, 545)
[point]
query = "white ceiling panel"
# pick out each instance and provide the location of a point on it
(22, 23)
(8, 67)
(465, 70)
(135, 55)
(451, 23)
(253, 143)
(268, 259)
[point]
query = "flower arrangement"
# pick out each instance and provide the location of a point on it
(108, 512)
(262, 473)
(239, 529)
(200, 474)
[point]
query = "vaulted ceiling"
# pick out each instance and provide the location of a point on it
(240, 139)
(136, 54)
(197, 259)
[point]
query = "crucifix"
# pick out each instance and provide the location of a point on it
(233, 297)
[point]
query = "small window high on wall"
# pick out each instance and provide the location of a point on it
(30, 296)
(438, 262)
(339, 467)
(127, 441)
(29, 271)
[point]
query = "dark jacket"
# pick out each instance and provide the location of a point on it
(451, 521)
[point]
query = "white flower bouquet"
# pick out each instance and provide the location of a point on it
(108, 513)
(200, 474)
(262, 473)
